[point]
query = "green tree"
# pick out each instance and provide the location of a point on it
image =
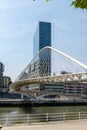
(77, 3)
(80, 4)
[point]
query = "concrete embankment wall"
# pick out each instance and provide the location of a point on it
(38, 103)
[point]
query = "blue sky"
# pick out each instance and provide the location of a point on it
(19, 20)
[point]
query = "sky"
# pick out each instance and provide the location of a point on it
(19, 20)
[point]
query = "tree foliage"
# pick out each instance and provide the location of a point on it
(80, 4)
(77, 3)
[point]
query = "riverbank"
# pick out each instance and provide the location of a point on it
(14, 100)
(39, 103)
(66, 125)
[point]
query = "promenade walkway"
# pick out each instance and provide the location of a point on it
(67, 125)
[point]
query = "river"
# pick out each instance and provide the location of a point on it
(38, 110)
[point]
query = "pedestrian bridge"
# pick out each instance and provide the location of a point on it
(81, 77)
(50, 66)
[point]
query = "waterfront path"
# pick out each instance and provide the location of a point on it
(67, 125)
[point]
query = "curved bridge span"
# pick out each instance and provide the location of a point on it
(40, 71)
(57, 52)
(82, 77)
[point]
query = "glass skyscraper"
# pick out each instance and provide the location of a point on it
(1, 75)
(41, 66)
(42, 37)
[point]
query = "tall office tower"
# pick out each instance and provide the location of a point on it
(1, 75)
(41, 66)
(42, 38)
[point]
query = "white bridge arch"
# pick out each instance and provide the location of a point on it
(21, 81)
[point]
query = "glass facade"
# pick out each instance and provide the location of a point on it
(1, 67)
(42, 37)
(41, 66)
(44, 34)
(1, 75)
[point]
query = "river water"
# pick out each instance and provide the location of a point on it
(39, 110)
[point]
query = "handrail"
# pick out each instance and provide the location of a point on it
(43, 117)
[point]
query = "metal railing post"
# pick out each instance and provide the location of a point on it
(46, 117)
(79, 115)
(6, 119)
(28, 118)
(64, 116)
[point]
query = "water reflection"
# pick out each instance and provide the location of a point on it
(37, 110)
(58, 109)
